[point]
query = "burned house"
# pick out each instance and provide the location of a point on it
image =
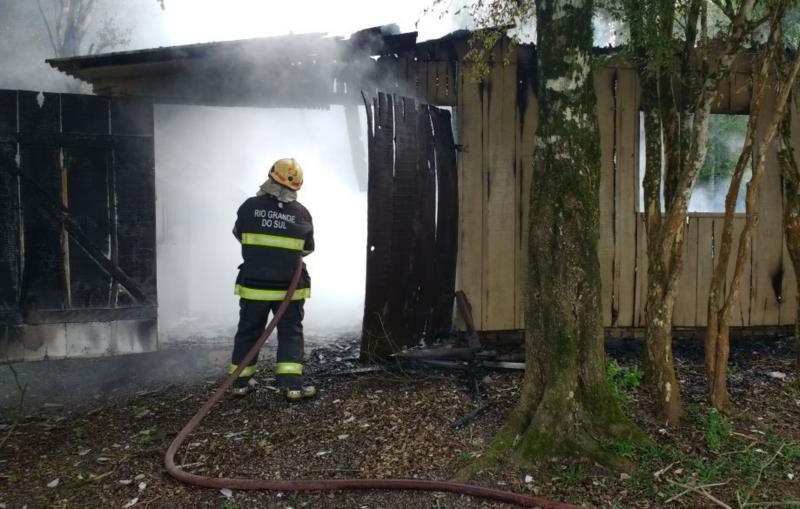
(448, 178)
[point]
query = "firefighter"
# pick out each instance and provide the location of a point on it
(273, 229)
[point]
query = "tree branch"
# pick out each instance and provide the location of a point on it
(85, 16)
(21, 405)
(47, 25)
(727, 8)
(701, 491)
(62, 22)
(760, 21)
(760, 79)
(758, 170)
(699, 129)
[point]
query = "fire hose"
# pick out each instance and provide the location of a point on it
(323, 484)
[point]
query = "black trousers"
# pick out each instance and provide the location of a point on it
(253, 315)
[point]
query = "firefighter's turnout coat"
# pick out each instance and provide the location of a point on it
(273, 235)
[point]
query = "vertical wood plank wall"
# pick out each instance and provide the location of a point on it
(495, 127)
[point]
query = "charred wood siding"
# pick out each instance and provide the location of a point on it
(768, 298)
(444, 270)
(77, 208)
(412, 225)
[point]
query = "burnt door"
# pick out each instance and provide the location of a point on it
(77, 209)
(412, 225)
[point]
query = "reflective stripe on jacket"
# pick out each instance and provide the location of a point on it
(256, 294)
(273, 234)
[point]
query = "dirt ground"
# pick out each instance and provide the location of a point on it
(400, 423)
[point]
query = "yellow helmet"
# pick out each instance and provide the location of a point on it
(288, 173)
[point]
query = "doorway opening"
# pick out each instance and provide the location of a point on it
(208, 161)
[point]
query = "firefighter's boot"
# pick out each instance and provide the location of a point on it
(307, 391)
(242, 387)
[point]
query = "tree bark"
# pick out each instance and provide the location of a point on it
(721, 301)
(658, 360)
(565, 406)
(717, 337)
(791, 216)
(677, 99)
(73, 20)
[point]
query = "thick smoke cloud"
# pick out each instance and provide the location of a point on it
(208, 161)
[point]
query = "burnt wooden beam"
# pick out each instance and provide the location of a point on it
(465, 309)
(356, 146)
(36, 317)
(57, 210)
(440, 353)
(65, 140)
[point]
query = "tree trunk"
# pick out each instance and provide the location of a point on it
(565, 407)
(683, 95)
(717, 337)
(658, 361)
(791, 217)
(720, 301)
(73, 20)
(659, 365)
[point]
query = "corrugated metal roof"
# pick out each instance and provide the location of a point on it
(369, 41)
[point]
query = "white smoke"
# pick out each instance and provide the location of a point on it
(208, 161)
(708, 196)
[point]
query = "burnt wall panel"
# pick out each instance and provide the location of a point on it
(84, 114)
(9, 233)
(8, 111)
(88, 204)
(423, 288)
(402, 287)
(39, 112)
(446, 222)
(380, 198)
(60, 265)
(134, 176)
(407, 299)
(131, 117)
(43, 277)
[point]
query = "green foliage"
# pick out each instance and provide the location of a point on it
(623, 381)
(625, 448)
(791, 502)
(649, 31)
(140, 411)
(146, 435)
(495, 20)
(750, 463)
(791, 453)
(726, 135)
(481, 45)
(746, 417)
(492, 21)
(716, 429)
(572, 475)
(464, 455)
(77, 432)
(791, 27)
(656, 31)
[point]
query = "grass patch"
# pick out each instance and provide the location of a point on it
(716, 428)
(146, 435)
(572, 475)
(741, 468)
(623, 381)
